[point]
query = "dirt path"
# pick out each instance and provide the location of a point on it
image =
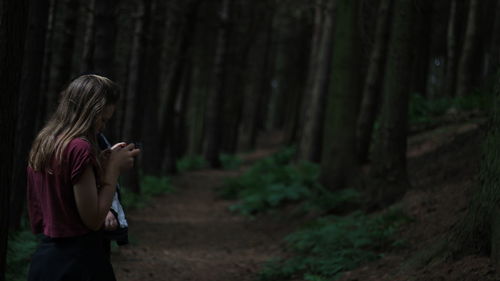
(191, 235)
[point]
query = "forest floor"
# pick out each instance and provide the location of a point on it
(191, 235)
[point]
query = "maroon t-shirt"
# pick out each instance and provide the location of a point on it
(51, 201)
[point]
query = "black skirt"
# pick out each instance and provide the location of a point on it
(79, 258)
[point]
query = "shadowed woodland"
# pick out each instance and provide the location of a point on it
(282, 139)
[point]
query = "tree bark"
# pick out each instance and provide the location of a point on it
(265, 86)
(86, 63)
(243, 39)
(451, 55)
(464, 83)
(132, 117)
(30, 93)
(183, 136)
(494, 48)
(13, 19)
(293, 88)
(202, 72)
(420, 68)
(216, 100)
(103, 54)
(62, 44)
(388, 169)
(169, 129)
(196, 115)
(135, 67)
(310, 140)
(321, 14)
(122, 52)
(373, 83)
(150, 93)
(479, 230)
(339, 165)
(258, 87)
(47, 63)
(105, 38)
(318, 28)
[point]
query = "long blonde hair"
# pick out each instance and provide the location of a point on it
(81, 103)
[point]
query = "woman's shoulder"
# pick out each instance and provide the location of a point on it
(80, 141)
(79, 144)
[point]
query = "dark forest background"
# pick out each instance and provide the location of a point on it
(344, 82)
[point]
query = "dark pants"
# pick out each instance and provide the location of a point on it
(71, 259)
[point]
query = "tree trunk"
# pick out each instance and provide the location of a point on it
(310, 142)
(196, 116)
(122, 52)
(13, 19)
(373, 83)
(339, 165)
(464, 86)
(423, 28)
(216, 100)
(296, 63)
(132, 117)
(103, 54)
(479, 230)
(265, 88)
(47, 63)
(86, 63)
(243, 39)
(62, 45)
(265, 117)
(150, 93)
(388, 169)
(183, 136)
(202, 70)
(451, 55)
(258, 87)
(29, 94)
(493, 64)
(135, 67)
(292, 44)
(321, 14)
(318, 28)
(104, 42)
(169, 129)
(484, 25)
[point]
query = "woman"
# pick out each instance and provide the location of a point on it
(71, 184)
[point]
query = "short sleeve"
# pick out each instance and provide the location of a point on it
(79, 156)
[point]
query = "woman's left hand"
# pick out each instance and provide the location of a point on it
(110, 223)
(104, 156)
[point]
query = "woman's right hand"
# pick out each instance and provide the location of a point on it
(122, 156)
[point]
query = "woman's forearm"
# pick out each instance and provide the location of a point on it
(107, 192)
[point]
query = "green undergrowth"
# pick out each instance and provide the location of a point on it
(21, 246)
(328, 246)
(425, 110)
(150, 186)
(191, 163)
(275, 181)
(230, 162)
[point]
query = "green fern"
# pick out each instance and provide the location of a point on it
(326, 247)
(230, 162)
(274, 182)
(151, 186)
(21, 246)
(191, 163)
